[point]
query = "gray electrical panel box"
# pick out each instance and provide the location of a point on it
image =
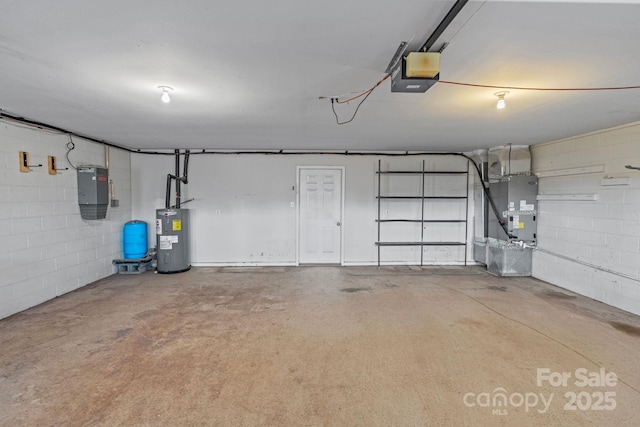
(93, 191)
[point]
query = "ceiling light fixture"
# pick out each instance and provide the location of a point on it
(165, 93)
(501, 104)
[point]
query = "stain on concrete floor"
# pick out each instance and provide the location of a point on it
(626, 328)
(354, 290)
(558, 295)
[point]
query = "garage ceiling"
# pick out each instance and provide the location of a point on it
(248, 74)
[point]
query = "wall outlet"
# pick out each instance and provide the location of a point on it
(217, 211)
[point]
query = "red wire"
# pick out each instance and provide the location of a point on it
(540, 88)
(496, 87)
(366, 91)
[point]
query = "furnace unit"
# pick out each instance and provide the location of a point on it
(512, 233)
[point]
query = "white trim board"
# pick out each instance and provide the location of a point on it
(571, 171)
(568, 197)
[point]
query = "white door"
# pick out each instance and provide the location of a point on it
(320, 216)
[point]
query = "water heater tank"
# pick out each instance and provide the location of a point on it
(172, 238)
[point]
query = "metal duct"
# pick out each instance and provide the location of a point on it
(506, 160)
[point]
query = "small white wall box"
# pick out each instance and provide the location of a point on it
(93, 191)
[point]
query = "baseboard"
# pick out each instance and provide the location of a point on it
(243, 264)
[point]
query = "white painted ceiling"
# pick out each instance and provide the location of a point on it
(248, 74)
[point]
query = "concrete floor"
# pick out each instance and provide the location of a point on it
(334, 346)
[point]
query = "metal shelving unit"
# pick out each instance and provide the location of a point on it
(422, 221)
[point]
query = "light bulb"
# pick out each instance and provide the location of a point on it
(501, 104)
(165, 93)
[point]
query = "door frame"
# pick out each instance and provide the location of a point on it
(342, 200)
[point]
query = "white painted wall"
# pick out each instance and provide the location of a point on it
(46, 249)
(603, 233)
(257, 225)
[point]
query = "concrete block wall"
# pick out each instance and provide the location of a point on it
(243, 213)
(604, 233)
(46, 249)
